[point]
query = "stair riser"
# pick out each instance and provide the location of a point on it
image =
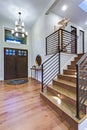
(62, 96)
(65, 98)
(62, 114)
(73, 63)
(66, 86)
(67, 78)
(80, 55)
(69, 72)
(73, 67)
(76, 59)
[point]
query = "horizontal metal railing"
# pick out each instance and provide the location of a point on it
(81, 85)
(61, 40)
(50, 69)
(68, 41)
(52, 44)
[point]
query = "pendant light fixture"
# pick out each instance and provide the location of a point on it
(19, 30)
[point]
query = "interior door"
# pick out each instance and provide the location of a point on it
(81, 40)
(74, 40)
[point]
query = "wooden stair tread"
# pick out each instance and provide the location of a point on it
(67, 108)
(67, 77)
(66, 82)
(71, 70)
(64, 91)
(72, 65)
(72, 76)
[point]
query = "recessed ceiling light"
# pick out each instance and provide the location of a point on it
(64, 8)
(86, 23)
(83, 5)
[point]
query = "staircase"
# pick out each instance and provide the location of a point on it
(61, 95)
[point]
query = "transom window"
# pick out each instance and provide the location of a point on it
(8, 37)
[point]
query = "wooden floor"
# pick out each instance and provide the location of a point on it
(21, 108)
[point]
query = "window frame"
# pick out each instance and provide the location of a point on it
(15, 40)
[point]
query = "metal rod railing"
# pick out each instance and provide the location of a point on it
(50, 68)
(77, 93)
(81, 84)
(60, 40)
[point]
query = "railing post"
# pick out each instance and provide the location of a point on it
(58, 40)
(61, 39)
(77, 93)
(42, 77)
(46, 45)
(59, 61)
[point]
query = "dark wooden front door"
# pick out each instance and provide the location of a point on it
(15, 63)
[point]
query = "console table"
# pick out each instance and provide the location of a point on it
(36, 72)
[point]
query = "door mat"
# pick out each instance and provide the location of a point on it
(17, 81)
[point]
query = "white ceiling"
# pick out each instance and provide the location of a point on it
(32, 9)
(73, 12)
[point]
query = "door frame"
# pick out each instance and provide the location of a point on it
(75, 29)
(82, 40)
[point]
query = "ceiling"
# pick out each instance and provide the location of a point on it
(73, 12)
(32, 9)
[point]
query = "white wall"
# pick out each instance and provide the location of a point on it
(85, 46)
(42, 28)
(50, 20)
(38, 38)
(10, 45)
(65, 60)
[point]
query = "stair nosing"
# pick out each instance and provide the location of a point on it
(64, 82)
(70, 70)
(68, 75)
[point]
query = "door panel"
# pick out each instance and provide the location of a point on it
(22, 67)
(10, 67)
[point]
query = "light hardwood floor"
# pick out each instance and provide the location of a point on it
(21, 108)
